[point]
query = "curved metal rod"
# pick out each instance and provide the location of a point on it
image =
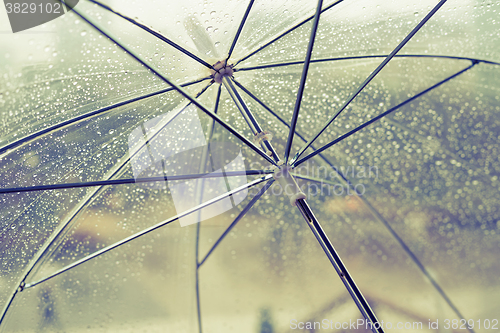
(179, 89)
(286, 32)
(372, 76)
(134, 181)
(339, 266)
(154, 33)
(405, 247)
(393, 233)
(85, 116)
(237, 219)
(291, 63)
(303, 78)
(240, 28)
(148, 230)
(248, 116)
(374, 119)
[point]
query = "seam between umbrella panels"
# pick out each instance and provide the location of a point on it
(370, 207)
(175, 86)
(147, 230)
(291, 63)
(77, 210)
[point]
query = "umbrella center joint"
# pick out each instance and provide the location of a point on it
(220, 70)
(288, 183)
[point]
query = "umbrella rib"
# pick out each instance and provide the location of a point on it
(237, 219)
(340, 268)
(394, 234)
(303, 79)
(248, 116)
(377, 214)
(155, 33)
(88, 115)
(286, 32)
(371, 76)
(179, 89)
(291, 63)
(240, 28)
(148, 230)
(346, 135)
(133, 181)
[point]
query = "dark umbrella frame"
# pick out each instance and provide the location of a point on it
(266, 150)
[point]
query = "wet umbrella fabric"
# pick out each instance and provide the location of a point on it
(425, 175)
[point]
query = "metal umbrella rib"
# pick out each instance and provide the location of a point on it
(371, 76)
(303, 79)
(249, 117)
(240, 28)
(154, 33)
(148, 230)
(313, 61)
(287, 32)
(133, 181)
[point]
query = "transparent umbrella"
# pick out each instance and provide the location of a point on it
(252, 166)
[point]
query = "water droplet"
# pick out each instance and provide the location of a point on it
(210, 28)
(217, 44)
(47, 48)
(83, 33)
(213, 13)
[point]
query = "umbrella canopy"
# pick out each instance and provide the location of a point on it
(123, 124)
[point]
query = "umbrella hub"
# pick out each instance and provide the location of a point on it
(290, 187)
(221, 69)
